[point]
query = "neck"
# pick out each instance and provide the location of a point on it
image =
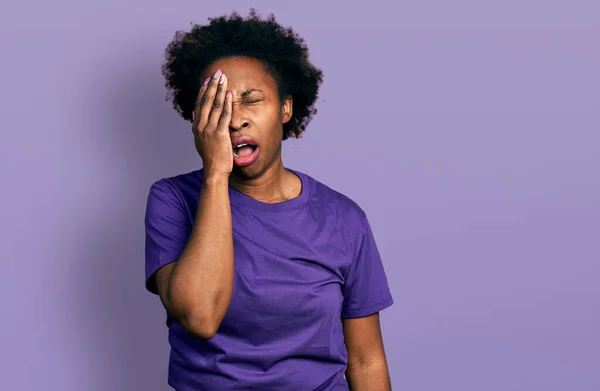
(276, 184)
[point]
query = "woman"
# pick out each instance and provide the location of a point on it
(296, 308)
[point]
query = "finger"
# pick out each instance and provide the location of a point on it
(225, 117)
(196, 112)
(206, 101)
(218, 102)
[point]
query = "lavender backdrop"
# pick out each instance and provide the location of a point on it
(468, 131)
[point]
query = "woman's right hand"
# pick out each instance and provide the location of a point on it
(212, 116)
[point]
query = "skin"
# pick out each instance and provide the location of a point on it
(197, 288)
(261, 115)
(367, 365)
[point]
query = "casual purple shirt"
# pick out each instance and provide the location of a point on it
(300, 267)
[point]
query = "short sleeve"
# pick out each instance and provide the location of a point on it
(366, 289)
(168, 228)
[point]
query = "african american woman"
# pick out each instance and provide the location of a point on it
(270, 279)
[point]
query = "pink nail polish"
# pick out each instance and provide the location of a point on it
(217, 73)
(228, 94)
(206, 81)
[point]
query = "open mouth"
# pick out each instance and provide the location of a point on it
(244, 150)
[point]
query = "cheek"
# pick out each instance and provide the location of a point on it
(267, 119)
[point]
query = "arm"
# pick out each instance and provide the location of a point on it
(197, 288)
(367, 366)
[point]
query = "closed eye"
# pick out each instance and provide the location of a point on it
(252, 101)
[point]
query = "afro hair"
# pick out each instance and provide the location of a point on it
(283, 52)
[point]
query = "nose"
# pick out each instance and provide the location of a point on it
(238, 121)
(234, 128)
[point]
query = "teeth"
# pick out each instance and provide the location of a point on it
(238, 146)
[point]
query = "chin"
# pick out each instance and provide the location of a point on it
(252, 171)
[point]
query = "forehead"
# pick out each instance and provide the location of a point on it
(242, 73)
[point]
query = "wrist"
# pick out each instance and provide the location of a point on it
(215, 180)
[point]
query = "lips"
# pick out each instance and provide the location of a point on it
(241, 140)
(245, 150)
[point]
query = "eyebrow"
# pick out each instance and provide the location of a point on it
(246, 93)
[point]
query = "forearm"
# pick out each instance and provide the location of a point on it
(201, 283)
(369, 377)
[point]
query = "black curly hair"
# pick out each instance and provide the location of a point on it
(283, 52)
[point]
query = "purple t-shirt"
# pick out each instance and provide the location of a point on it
(300, 267)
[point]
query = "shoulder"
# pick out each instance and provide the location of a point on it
(349, 212)
(178, 185)
(178, 191)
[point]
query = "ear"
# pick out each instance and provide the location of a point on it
(286, 109)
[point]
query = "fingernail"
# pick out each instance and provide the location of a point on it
(222, 79)
(217, 73)
(228, 94)
(206, 81)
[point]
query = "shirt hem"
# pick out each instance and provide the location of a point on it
(370, 310)
(151, 273)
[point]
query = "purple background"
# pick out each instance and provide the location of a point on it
(468, 131)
